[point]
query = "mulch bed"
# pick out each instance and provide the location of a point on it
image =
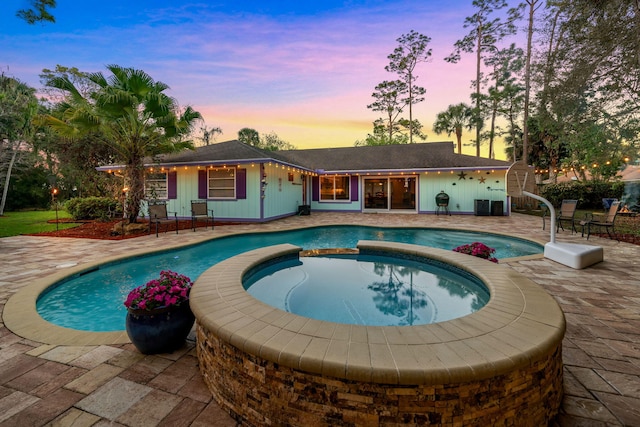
(629, 238)
(102, 230)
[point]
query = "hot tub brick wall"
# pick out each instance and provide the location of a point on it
(257, 392)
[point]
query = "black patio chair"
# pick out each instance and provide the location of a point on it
(598, 221)
(158, 214)
(567, 214)
(199, 210)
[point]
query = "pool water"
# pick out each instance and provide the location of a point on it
(94, 300)
(371, 290)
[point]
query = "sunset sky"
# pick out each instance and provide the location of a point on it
(304, 70)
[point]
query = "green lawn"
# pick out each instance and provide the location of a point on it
(29, 222)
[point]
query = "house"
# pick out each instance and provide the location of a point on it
(244, 183)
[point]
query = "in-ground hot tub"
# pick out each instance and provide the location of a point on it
(499, 365)
(366, 288)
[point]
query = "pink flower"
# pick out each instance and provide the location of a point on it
(479, 250)
(171, 289)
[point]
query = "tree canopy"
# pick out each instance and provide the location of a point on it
(454, 120)
(412, 49)
(131, 113)
(587, 76)
(270, 141)
(487, 29)
(392, 97)
(18, 107)
(38, 12)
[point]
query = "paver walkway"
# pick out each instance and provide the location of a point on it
(117, 386)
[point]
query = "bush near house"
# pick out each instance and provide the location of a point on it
(589, 194)
(92, 208)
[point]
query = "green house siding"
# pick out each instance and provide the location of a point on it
(281, 196)
(462, 190)
(247, 208)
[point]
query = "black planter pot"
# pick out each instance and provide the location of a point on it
(163, 330)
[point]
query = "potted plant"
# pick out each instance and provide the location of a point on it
(478, 249)
(158, 314)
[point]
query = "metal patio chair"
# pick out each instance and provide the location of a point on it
(607, 221)
(199, 210)
(158, 214)
(567, 214)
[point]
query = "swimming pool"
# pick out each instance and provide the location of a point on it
(92, 300)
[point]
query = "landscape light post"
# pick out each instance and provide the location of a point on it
(54, 193)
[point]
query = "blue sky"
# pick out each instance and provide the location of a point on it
(305, 70)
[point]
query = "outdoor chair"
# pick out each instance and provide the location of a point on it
(567, 214)
(602, 221)
(158, 214)
(199, 210)
(545, 213)
(606, 203)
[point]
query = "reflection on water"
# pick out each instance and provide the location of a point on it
(368, 289)
(395, 295)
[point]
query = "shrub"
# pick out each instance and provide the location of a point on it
(589, 194)
(92, 208)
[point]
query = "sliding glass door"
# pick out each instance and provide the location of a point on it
(393, 193)
(376, 194)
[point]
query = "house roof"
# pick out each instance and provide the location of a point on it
(230, 151)
(630, 173)
(433, 155)
(419, 156)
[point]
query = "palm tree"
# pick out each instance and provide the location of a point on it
(134, 117)
(454, 120)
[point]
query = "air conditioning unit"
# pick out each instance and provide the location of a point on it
(497, 207)
(481, 207)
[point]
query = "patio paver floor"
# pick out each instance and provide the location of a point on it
(41, 384)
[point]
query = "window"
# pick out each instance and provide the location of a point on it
(222, 183)
(156, 185)
(334, 188)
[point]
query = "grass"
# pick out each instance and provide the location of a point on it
(30, 222)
